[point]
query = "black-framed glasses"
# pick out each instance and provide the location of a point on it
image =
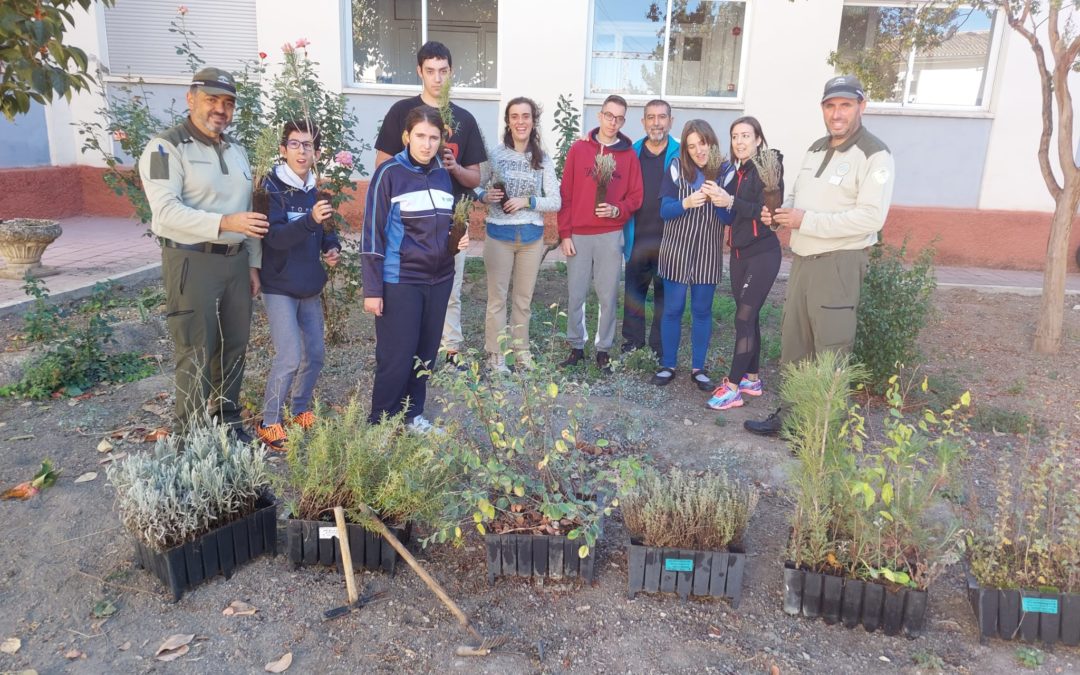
(618, 119)
(294, 144)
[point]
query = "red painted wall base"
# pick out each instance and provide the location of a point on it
(962, 237)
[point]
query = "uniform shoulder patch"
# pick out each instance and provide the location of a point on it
(881, 176)
(159, 163)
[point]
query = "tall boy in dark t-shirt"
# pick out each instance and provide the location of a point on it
(461, 157)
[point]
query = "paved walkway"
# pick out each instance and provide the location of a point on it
(94, 249)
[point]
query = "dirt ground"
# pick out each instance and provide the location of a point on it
(64, 552)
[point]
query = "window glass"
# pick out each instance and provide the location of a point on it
(951, 70)
(954, 72)
(706, 46)
(627, 47)
(387, 35)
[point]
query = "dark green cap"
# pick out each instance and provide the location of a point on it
(215, 81)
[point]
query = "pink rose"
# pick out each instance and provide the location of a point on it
(287, 48)
(262, 55)
(119, 135)
(302, 42)
(181, 10)
(344, 158)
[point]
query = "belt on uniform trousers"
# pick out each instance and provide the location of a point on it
(826, 254)
(205, 247)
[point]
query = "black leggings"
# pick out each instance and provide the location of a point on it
(751, 280)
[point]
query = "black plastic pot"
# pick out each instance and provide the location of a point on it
(853, 602)
(1032, 616)
(219, 551)
(710, 574)
(315, 542)
(537, 555)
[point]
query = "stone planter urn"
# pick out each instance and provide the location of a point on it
(22, 241)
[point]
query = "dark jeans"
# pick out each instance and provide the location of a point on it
(409, 329)
(641, 271)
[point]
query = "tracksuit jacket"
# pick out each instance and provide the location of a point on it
(406, 230)
(577, 215)
(294, 244)
(747, 236)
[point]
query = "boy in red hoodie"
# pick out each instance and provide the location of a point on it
(591, 234)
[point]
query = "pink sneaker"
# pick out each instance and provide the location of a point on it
(724, 397)
(750, 387)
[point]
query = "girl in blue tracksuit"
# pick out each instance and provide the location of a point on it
(407, 268)
(292, 278)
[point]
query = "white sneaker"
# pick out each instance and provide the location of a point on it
(497, 364)
(525, 360)
(421, 425)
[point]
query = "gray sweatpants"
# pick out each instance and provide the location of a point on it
(599, 258)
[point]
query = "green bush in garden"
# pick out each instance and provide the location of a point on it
(895, 302)
(344, 461)
(863, 505)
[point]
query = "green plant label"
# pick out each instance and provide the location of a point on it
(1040, 605)
(678, 565)
(327, 533)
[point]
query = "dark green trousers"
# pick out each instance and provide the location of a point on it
(822, 298)
(208, 304)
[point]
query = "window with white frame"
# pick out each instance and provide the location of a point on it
(386, 34)
(703, 57)
(950, 68)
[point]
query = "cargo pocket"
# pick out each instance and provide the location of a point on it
(181, 327)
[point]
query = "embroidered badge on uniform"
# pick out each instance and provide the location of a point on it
(880, 176)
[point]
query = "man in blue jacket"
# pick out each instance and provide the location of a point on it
(642, 233)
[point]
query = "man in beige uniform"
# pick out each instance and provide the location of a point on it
(839, 204)
(198, 183)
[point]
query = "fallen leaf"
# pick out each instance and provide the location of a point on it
(239, 608)
(24, 437)
(104, 445)
(126, 646)
(152, 436)
(103, 608)
(715, 631)
(72, 654)
(281, 665)
(10, 645)
(159, 410)
(86, 477)
(174, 647)
(112, 458)
(774, 669)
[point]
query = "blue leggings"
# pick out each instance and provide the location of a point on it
(701, 298)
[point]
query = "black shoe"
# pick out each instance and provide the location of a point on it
(576, 357)
(628, 347)
(237, 431)
(770, 426)
(701, 379)
(663, 377)
(603, 362)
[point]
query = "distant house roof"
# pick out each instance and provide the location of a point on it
(971, 43)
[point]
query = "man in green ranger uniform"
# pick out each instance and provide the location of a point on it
(838, 206)
(198, 183)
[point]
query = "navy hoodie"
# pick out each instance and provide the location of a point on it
(406, 232)
(294, 244)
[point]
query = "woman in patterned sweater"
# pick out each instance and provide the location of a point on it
(514, 245)
(695, 211)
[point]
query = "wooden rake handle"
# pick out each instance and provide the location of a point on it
(421, 572)
(346, 554)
